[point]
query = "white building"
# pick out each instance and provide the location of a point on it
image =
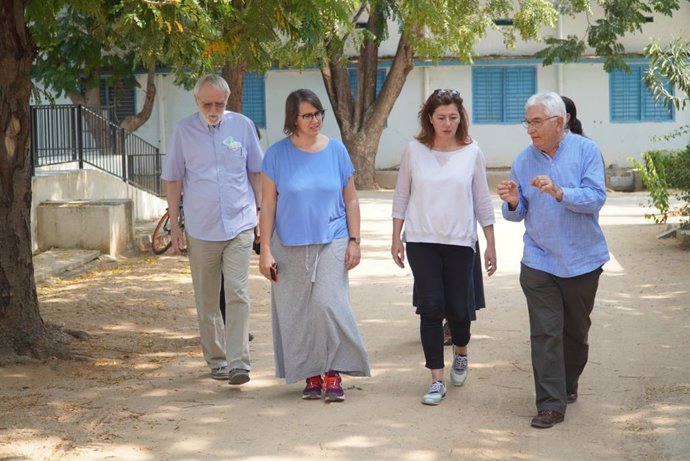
(616, 109)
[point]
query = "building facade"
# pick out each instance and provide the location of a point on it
(616, 109)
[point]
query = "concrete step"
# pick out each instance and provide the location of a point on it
(142, 235)
(58, 261)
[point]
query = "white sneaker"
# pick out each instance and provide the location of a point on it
(436, 393)
(458, 372)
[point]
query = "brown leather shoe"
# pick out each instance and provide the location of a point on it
(546, 419)
(572, 395)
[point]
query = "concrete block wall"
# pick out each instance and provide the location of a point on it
(64, 184)
(103, 225)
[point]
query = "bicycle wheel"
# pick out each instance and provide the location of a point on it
(161, 239)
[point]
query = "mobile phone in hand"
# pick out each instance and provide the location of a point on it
(274, 272)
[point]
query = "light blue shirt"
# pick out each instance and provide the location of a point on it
(310, 208)
(562, 238)
(213, 164)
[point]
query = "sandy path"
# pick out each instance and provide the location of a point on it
(147, 394)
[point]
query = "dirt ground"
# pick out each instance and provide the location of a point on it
(146, 393)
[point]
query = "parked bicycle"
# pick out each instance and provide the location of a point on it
(161, 240)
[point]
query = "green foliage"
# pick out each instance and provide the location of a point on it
(669, 64)
(79, 49)
(620, 17)
(661, 171)
(79, 41)
(668, 68)
(681, 131)
(561, 50)
(654, 179)
(451, 28)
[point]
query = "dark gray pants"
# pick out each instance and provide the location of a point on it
(559, 310)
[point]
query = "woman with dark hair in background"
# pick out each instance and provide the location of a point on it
(572, 124)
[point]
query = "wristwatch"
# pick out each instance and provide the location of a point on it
(355, 239)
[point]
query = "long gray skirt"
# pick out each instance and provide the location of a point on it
(314, 329)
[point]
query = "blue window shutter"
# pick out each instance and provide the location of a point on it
(631, 100)
(254, 98)
(651, 110)
(520, 84)
(625, 96)
(499, 93)
(487, 94)
(118, 101)
(380, 78)
(352, 73)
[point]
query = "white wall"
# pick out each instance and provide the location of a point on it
(585, 82)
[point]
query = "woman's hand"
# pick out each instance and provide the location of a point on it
(352, 255)
(398, 252)
(265, 262)
(490, 260)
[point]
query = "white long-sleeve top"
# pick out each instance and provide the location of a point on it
(441, 195)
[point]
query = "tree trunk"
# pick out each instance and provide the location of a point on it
(133, 122)
(234, 75)
(362, 119)
(22, 332)
(91, 98)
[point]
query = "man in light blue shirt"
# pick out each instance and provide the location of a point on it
(214, 158)
(557, 187)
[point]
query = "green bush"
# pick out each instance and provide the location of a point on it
(664, 170)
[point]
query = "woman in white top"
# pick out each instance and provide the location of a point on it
(440, 195)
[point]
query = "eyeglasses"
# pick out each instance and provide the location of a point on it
(318, 115)
(210, 104)
(441, 93)
(536, 123)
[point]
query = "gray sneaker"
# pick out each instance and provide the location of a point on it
(436, 393)
(458, 372)
(238, 376)
(220, 373)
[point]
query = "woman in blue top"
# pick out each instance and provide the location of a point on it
(311, 203)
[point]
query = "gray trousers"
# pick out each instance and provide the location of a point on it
(222, 344)
(559, 317)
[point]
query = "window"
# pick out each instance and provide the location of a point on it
(118, 101)
(631, 100)
(499, 93)
(380, 78)
(254, 98)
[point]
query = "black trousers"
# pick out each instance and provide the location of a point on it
(443, 278)
(559, 317)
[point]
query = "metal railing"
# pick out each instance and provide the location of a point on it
(74, 133)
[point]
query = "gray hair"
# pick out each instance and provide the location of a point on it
(552, 102)
(213, 80)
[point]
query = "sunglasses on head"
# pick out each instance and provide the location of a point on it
(444, 92)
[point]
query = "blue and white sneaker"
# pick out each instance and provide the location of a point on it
(458, 372)
(436, 393)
